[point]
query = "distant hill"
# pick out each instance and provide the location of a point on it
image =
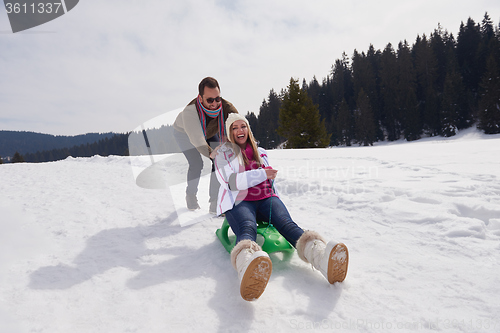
(116, 145)
(37, 147)
(31, 142)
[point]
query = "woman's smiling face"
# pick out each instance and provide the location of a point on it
(239, 132)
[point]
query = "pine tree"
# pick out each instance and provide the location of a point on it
(342, 82)
(427, 94)
(271, 124)
(406, 94)
(363, 118)
(438, 46)
(364, 76)
(253, 121)
(1, 160)
(325, 99)
(453, 113)
(313, 90)
(332, 128)
(373, 57)
(363, 80)
(487, 44)
(449, 112)
(390, 117)
(268, 120)
(344, 124)
(360, 72)
(460, 96)
(17, 158)
(489, 104)
(300, 121)
(487, 30)
(468, 44)
(260, 132)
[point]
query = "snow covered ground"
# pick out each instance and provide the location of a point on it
(84, 249)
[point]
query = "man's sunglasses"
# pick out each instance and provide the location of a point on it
(210, 100)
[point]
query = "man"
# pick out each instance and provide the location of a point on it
(199, 129)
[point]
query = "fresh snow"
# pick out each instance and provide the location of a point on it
(84, 249)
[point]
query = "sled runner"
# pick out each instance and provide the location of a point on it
(273, 240)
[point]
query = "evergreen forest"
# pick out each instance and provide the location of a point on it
(438, 85)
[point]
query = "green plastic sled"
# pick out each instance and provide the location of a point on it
(273, 240)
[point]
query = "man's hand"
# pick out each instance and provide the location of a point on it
(214, 152)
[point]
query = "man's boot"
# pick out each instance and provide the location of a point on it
(192, 202)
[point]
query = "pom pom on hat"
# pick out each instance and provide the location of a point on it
(231, 118)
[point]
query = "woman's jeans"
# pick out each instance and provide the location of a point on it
(195, 162)
(244, 215)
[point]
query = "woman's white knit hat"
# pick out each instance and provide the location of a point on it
(231, 118)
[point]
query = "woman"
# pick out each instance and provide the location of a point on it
(246, 195)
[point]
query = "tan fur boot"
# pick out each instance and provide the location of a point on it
(330, 259)
(254, 268)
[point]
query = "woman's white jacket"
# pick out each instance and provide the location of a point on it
(227, 163)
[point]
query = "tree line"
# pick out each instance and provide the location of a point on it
(31, 142)
(134, 143)
(436, 86)
(115, 145)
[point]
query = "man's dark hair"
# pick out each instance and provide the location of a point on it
(207, 82)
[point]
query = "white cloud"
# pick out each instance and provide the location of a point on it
(111, 65)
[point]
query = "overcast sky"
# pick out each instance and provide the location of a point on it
(111, 65)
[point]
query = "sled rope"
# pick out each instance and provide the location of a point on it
(270, 206)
